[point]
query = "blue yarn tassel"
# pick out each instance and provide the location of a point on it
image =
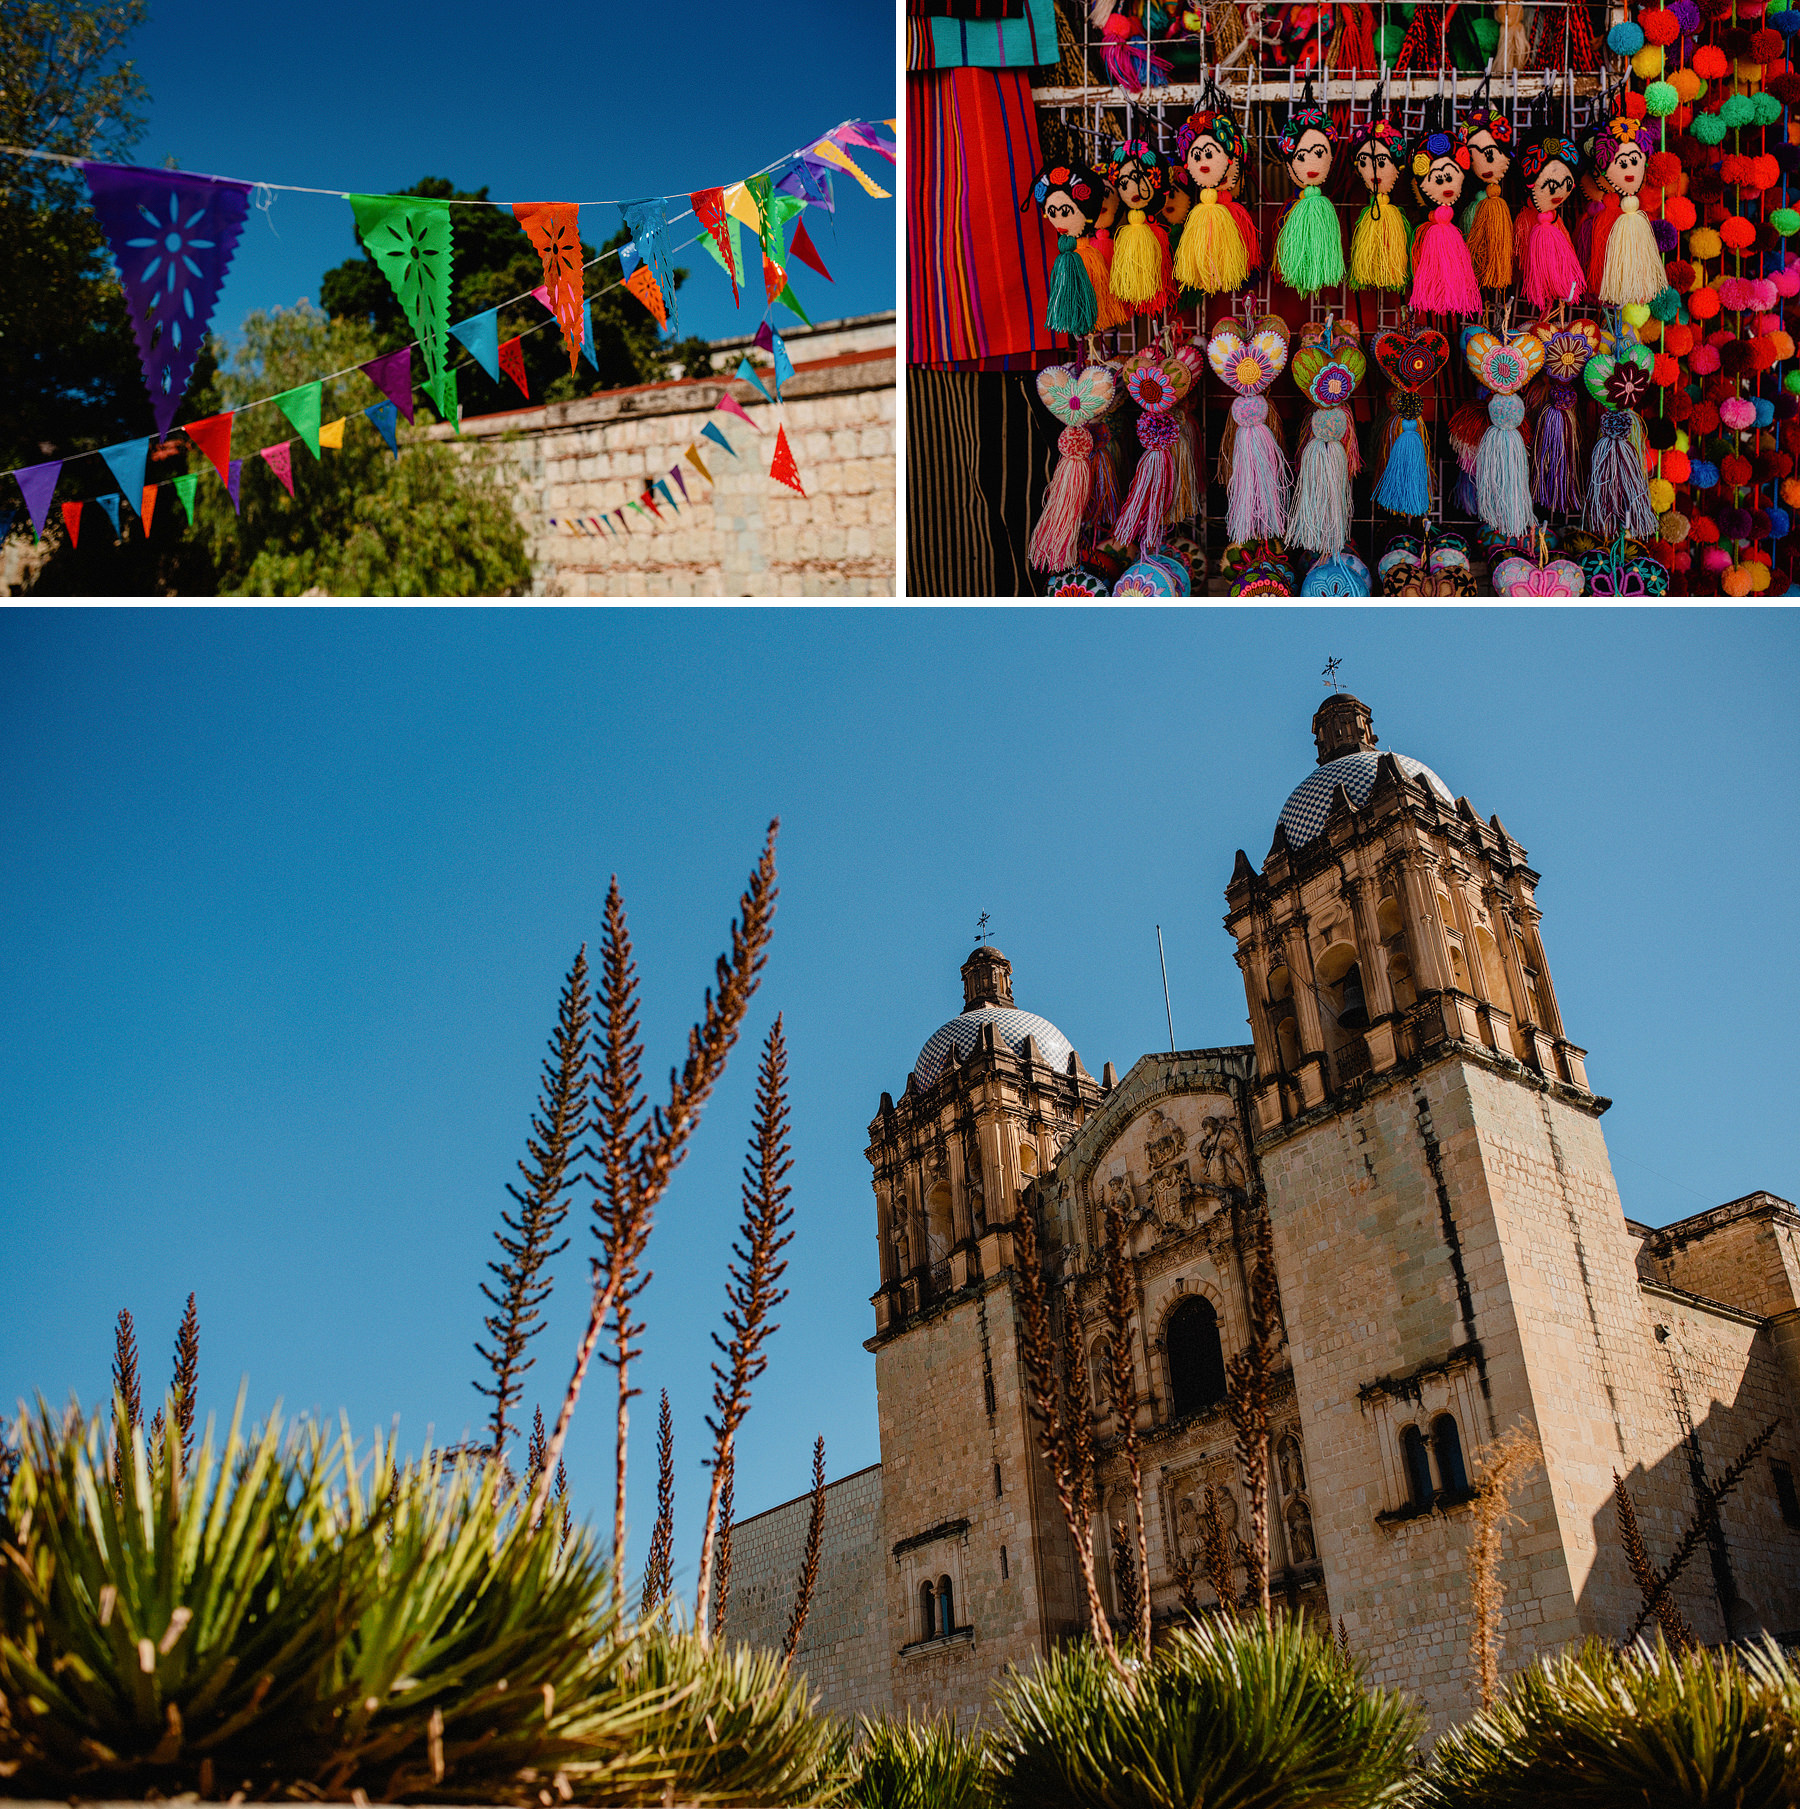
(1406, 483)
(1073, 308)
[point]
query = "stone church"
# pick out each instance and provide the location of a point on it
(1453, 1261)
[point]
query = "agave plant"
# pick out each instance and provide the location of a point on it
(918, 1765)
(1598, 1729)
(272, 1620)
(1235, 1715)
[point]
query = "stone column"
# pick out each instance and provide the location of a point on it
(1255, 969)
(1378, 1039)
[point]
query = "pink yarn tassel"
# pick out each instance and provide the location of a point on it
(1444, 278)
(1057, 537)
(1103, 502)
(1257, 496)
(1552, 271)
(1129, 60)
(1145, 517)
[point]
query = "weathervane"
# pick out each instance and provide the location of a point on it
(981, 926)
(1330, 674)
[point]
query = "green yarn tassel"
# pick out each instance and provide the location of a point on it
(1309, 253)
(1073, 308)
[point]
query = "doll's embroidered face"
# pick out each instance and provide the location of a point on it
(1208, 162)
(1488, 161)
(1065, 214)
(1137, 184)
(1552, 186)
(1311, 162)
(1626, 171)
(1375, 164)
(1441, 183)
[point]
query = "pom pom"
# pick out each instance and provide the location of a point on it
(1736, 582)
(1666, 236)
(1737, 414)
(1703, 361)
(1681, 276)
(1662, 496)
(1709, 128)
(1785, 220)
(1679, 404)
(1663, 170)
(1634, 104)
(1665, 371)
(1647, 65)
(1762, 293)
(1703, 476)
(1736, 234)
(1765, 108)
(1705, 244)
(1660, 433)
(1677, 467)
(1790, 492)
(1783, 341)
(1734, 40)
(1764, 469)
(1734, 470)
(1710, 63)
(1659, 25)
(1678, 339)
(1734, 524)
(1636, 313)
(1762, 355)
(1688, 16)
(1779, 522)
(1687, 85)
(1735, 111)
(1733, 168)
(1703, 530)
(1767, 323)
(1785, 407)
(1766, 45)
(1625, 39)
(1765, 411)
(1673, 528)
(1786, 21)
(1759, 524)
(1732, 296)
(1665, 305)
(1760, 577)
(1782, 463)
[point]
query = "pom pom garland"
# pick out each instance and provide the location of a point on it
(1659, 25)
(1625, 39)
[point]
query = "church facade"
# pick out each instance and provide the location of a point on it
(1453, 1261)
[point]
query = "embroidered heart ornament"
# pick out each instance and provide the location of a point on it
(1075, 400)
(1524, 578)
(1247, 366)
(1412, 360)
(1504, 365)
(1620, 378)
(1152, 388)
(1329, 378)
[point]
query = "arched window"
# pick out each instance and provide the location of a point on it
(1287, 1037)
(1196, 1361)
(1447, 1443)
(946, 1608)
(1418, 1466)
(928, 1611)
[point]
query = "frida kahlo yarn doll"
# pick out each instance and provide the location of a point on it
(1309, 248)
(1382, 235)
(1624, 265)
(1143, 274)
(1443, 277)
(1484, 143)
(1070, 195)
(1218, 250)
(1549, 270)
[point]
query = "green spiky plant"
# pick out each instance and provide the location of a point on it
(1232, 1714)
(1595, 1728)
(918, 1765)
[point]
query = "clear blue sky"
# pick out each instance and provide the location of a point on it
(561, 102)
(286, 898)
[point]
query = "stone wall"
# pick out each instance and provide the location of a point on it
(743, 534)
(843, 1650)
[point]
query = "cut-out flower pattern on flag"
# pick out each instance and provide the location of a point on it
(782, 467)
(648, 224)
(512, 361)
(409, 239)
(552, 227)
(172, 236)
(709, 210)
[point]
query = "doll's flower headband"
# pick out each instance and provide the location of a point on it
(1547, 150)
(1616, 135)
(1299, 123)
(1428, 148)
(1075, 179)
(1484, 119)
(1218, 126)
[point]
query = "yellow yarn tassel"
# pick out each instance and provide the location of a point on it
(1211, 255)
(1490, 238)
(1137, 261)
(1112, 313)
(1378, 247)
(1634, 270)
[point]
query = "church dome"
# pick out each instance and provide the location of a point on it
(1309, 804)
(1011, 1026)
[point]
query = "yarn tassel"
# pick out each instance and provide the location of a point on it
(1137, 274)
(1096, 255)
(1056, 539)
(1320, 518)
(1556, 485)
(1633, 269)
(1130, 61)
(1103, 500)
(1145, 517)
(1547, 260)
(1378, 247)
(1187, 472)
(1309, 250)
(1405, 487)
(1246, 231)
(1618, 499)
(1256, 497)
(1503, 470)
(1073, 309)
(1212, 256)
(1490, 241)
(1443, 278)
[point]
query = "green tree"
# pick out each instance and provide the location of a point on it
(492, 262)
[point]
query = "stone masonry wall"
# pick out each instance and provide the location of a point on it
(843, 1650)
(743, 534)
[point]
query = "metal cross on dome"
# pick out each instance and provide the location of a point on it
(981, 928)
(1331, 672)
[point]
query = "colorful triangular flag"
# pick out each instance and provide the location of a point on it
(741, 206)
(835, 156)
(872, 138)
(712, 431)
(302, 408)
(784, 365)
(552, 227)
(331, 435)
(111, 505)
(730, 403)
(146, 507)
(409, 239)
(636, 505)
(392, 375)
(231, 484)
(641, 282)
(807, 252)
(709, 210)
(668, 495)
(184, 488)
(213, 437)
(747, 374)
(481, 334)
(649, 502)
(512, 361)
(774, 277)
(383, 415)
(765, 337)
(71, 514)
(126, 462)
(692, 455)
(648, 223)
(37, 484)
(782, 467)
(789, 300)
(280, 459)
(442, 391)
(675, 472)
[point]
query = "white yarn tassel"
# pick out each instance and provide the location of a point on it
(1320, 521)
(1503, 470)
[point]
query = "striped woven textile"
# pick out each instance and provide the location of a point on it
(979, 450)
(978, 260)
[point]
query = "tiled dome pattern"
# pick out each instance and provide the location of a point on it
(1012, 1027)
(1304, 814)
